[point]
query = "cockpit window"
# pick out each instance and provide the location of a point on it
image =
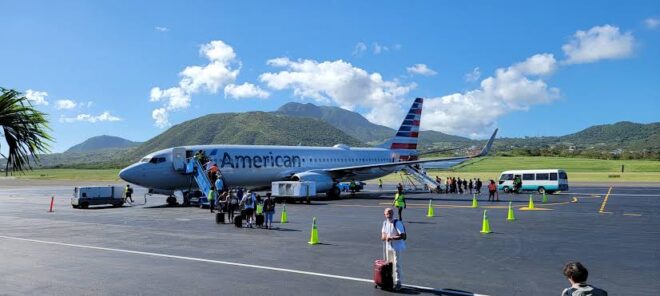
(146, 159)
(157, 160)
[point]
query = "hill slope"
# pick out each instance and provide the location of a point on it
(250, 128)
(102, 142)
(624, 134)
(359, 127)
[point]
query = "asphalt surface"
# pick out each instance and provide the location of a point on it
(154, 250)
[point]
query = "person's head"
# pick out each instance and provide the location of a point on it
(575, 272)
(389, 213)
(128, 185)
(268, 195)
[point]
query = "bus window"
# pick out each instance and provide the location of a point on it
(553, 176)
(563, 176)
(543, 176)
(528, 177)
(506, 177)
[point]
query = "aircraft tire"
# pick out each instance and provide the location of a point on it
(171, 201)
(334, 192)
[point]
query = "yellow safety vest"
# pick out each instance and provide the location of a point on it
(398, 200)
(211, 195)
(260, 209)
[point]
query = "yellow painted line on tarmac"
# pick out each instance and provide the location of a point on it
(631, 214)
(607, 196)
(535, 209)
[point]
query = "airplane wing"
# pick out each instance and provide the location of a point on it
(357, 168)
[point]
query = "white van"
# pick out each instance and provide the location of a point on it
(535, 180)
(84, 197)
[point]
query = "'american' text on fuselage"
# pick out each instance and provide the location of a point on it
(258, 161)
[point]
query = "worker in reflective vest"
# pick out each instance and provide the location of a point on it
(211, 198)
(399, 202)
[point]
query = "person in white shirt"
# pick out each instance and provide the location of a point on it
(249, 202)
(393, 233)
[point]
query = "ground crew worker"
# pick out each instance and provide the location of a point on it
(259, 211)
(211, 198)
(128, 193)
(352, 186)
(517, 184)
(399, 202)
(380, 184)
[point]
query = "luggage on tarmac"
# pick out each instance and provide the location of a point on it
(383, 269)
(260, 220)
(238, 221)
(220, 218)
(383, 274)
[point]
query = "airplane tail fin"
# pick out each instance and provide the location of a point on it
(489, 144)
(404, 142)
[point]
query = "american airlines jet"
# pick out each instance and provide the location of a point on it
(256, 166)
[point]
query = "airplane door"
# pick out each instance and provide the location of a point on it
(179, 158)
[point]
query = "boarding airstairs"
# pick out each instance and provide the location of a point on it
(195, 168)
(414, 176)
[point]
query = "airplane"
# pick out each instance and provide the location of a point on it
(256, 166)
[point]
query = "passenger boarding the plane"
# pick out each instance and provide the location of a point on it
(248, 203)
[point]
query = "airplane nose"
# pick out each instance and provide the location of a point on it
(128, 174)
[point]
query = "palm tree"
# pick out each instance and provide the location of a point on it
(25, 130)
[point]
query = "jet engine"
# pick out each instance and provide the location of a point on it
(323, 181)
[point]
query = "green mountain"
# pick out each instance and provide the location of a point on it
(102, 142)
(250, 128)
(356, 125)
(623, 135)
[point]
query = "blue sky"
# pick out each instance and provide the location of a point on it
(531, 68)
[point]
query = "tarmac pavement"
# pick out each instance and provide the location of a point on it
(155, 250)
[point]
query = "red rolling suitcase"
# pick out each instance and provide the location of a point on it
(383, 277)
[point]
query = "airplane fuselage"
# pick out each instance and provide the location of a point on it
(255, 165)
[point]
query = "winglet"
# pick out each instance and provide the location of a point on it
(486, 148)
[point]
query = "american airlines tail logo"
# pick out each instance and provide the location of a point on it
(258, 161)
(405, 141)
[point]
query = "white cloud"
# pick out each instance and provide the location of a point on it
(105, 116)
(36, 97)
(474, 75)
(421, 69)
(161, 29)
(599, 43)
(379, 48)
(360, 48)
(341, 83)
(65, 104)
(652, 22)
(245, 90)
(222, 70)
(538, 64)
(474, 113)
(160, 116)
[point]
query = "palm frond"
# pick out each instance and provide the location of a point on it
(25, 130)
